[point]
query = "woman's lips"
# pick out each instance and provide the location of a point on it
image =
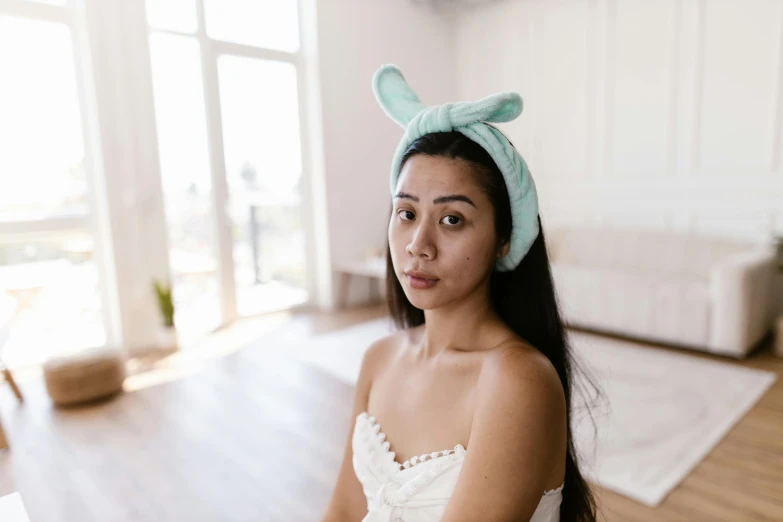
(420, 283)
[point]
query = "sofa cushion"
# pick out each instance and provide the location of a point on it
(663, 308)
(648, 251)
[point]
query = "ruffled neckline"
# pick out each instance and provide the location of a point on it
(372, 423)
(456, 453)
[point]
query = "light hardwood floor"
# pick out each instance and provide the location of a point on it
(231, 431)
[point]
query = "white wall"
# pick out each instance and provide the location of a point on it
(355, 37)
(664, 114)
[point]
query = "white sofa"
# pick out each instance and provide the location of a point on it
(706, 293)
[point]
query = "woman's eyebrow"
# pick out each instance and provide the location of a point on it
(441, 199)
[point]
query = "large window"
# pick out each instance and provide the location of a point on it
(80, 232)
(187, 183)
(271, 24)
(260, 118)
(226, 98)
(40, 130)
(49, 298)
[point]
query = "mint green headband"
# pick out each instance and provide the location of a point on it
(401, 104)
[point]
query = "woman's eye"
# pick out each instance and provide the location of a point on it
(403, 214)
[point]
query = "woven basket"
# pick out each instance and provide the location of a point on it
(84, 377)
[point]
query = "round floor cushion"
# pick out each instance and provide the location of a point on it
(84, 376)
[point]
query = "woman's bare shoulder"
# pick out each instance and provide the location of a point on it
(519, 369)
(386, 349)
(516, 354)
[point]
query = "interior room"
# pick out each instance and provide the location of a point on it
(195, 254)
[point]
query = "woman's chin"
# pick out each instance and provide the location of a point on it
(420, 301)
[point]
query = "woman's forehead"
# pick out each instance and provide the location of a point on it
(437, 173)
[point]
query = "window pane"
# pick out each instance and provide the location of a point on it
(187, 186)
(260, 117)
(53, 2)
(49, 297)
(272, 24)
(40, 125)
(172, 15)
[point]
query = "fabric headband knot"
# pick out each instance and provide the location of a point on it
(402, 105)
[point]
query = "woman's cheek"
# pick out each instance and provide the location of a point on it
(397, 246)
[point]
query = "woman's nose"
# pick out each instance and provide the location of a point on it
(421, 243)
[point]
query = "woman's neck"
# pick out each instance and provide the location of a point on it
(457, 327)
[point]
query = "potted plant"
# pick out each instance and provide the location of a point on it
(167, 333)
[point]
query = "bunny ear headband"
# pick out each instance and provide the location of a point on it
(401, 104)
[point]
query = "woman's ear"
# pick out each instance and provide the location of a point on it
(504, 248)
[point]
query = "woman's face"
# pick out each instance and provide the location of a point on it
(442, 225)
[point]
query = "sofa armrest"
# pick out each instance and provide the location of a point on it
(741, 289)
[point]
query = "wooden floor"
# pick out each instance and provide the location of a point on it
(222, 432)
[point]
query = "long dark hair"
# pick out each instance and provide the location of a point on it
(525, 299)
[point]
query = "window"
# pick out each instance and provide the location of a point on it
(256, 145)
(187, 185)
(40, 112)
(271, 24)
(260, 114)
(226, 90)
(49, 289)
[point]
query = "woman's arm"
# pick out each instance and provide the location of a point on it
(348, 503)
(516, 441)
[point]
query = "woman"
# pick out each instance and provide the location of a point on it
(463, 414)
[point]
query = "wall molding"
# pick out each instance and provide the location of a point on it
(692, 191)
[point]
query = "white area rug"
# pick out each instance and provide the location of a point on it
(12, 508)
(661, 413)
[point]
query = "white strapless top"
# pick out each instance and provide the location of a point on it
(418, 489)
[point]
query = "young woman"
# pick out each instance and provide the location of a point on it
(464, 413)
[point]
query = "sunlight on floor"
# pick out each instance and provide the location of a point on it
(161, 376)
(153, 369)
(160, 367)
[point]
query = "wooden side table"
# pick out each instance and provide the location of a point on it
(6, 373)
(374, 267)
(779, 336)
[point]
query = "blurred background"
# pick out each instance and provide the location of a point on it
(234, 148)
(233, 151)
